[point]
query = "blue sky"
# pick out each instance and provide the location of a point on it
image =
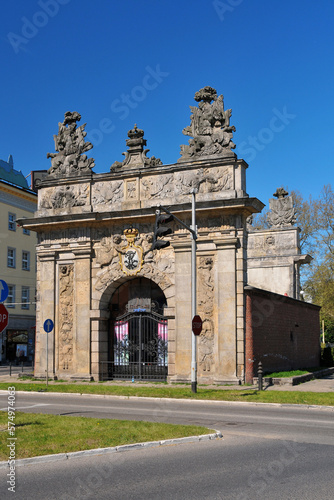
(124, 62)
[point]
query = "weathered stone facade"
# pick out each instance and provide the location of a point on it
(274, 255)
(85, 222)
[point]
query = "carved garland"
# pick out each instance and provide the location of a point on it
(205, 294)
(66, 317)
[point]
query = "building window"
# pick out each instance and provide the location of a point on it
(11, 222)
(25, 260)
(11, 257)
(25, 298)
(26, 231)
(11, 296)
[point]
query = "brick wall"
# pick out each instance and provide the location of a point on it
(281, 332)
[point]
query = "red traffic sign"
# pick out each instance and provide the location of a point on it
(3, 317)
(197, 324)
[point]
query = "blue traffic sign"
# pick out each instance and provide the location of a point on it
(48, 325)
(3, 290)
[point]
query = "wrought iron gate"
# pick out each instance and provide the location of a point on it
(140, 346)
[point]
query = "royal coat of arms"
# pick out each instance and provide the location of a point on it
(131, 258)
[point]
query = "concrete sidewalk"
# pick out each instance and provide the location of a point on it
(325, 384)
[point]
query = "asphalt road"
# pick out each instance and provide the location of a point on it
(268, 451)
(276, 421)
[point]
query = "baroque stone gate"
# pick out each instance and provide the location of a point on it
(95, 234)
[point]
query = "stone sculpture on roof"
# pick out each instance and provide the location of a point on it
(70, 144)
(210, 128)
(282, 211)
(135, 156)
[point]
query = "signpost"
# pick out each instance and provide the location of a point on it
(48, 327)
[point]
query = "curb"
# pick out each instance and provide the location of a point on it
(115, 449)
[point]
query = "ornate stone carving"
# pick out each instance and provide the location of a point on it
(161, 186)
(135, 156)
(204, 180)
(210, 128)
(65, 316)
(65, 197)
(206, 345)
(65, 236)
(109, 248)
(282, 210)
(205, 292)
(158, 266)
(131, 257)
(249, 222)
(108, 193)
(70, 144)
(115, 246)
(131, 189)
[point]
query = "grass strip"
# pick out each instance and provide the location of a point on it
(38, 434)
(166, 391)
(293, 373)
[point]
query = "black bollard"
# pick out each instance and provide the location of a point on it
(259, 376)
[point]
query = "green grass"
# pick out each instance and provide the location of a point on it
(39, 434)
(293, 373)
(167, 391)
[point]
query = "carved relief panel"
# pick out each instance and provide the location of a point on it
(205, 297)
(65, 316)
(131, 188)
(114, 255)
(64, 197)
(108, 193)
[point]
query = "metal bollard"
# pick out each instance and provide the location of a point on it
(10, 369)
(22, 366)
(259, 376)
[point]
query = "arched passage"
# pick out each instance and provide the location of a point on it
(138, 335)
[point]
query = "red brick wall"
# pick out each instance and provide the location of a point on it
(281, 332)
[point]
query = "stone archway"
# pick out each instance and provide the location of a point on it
(138, 332)
(158, 319)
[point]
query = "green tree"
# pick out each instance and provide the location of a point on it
(319, 281)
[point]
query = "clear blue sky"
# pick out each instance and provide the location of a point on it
(272, 61)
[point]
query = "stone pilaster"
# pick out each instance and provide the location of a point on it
(45, 310)
(182, 311)
(82, 296)
(226, 304)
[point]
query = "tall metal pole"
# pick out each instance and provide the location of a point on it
(193, 291)
(47, 359)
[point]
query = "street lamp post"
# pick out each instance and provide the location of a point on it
(193, 231)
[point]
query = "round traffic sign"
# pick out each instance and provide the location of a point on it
(48, 325)
(3, 317)
(196, 325)
(3, 290)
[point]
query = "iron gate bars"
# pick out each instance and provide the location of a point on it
(139, 347)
